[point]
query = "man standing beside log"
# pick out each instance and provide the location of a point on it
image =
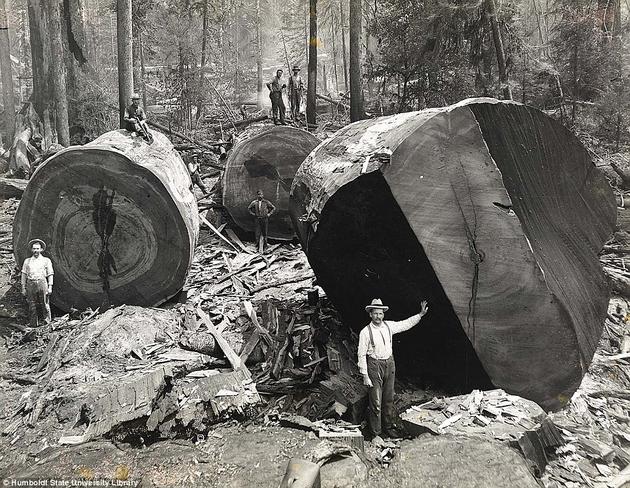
(261, 209)
(192, 162)
(37, 283)
(275, 87)
(376, 364)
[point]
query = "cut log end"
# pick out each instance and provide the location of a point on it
(119, 219)
(268, 162)
(493, 213)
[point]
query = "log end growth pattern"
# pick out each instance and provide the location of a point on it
(119, 218)
(491, 211)
(268, 162)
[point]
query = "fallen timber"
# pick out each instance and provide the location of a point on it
(491, 211)
(119, 218)
(267, 161)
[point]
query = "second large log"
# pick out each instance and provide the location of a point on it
(491, 211)
(268, 162)
(119, 218)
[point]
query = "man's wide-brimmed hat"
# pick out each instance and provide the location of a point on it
(377, 304)
(296, 68)
(37, 241)
(136, 96)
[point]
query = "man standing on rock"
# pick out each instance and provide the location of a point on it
(261, 209)
(376, 364)
(37, 283)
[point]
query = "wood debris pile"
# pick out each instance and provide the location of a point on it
(585, 444)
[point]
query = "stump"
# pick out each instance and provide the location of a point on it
(491, 211)
(268, 161)
(119, 218)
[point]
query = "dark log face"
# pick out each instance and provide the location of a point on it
(363, 248)
(267, 162)
(114, 232)
(489, 210)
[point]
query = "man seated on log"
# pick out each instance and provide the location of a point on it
(376, 364)
(275, 94)
(37, 283)
(192, 162)
(261, 209)
(135, 119)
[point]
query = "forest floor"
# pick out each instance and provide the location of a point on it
(479, 439)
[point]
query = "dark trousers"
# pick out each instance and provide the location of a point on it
(382, 373)
(196, 179)
(277, 105)
(295, 105)
(261, 227)
(37, 299)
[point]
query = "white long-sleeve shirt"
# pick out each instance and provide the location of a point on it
(382, 348)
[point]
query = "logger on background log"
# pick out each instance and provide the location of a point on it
(37, 283)
(261, 209)
(135, 119)
(376, 364)
(296, 89)
(275, 94)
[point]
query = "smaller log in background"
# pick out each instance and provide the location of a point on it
(119, 218)
(267, 161)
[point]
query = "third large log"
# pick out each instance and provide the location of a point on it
(491, 211)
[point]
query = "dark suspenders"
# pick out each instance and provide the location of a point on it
(372, 335)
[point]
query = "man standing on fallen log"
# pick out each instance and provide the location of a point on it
(376, 364)
(296, 89)
(275, 87)
(261, 209)
(37, 283)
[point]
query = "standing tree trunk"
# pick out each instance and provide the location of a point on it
(343, 45)
(259, 67)
(142, 70)
(57, 73)
(334, 53)
(498, 46)
(125, 56)
(8, 97)
(356, 93)
(204, 55)
(40, 57)
(312, 65)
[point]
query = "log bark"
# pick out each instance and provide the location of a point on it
(491, 211)
(11, 188)
(119, 219)
(27, 124)
(268, 161)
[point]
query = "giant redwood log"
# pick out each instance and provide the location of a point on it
(491, 211)
(119, 219)
(268, 162)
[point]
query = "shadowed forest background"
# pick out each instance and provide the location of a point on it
(198, 63)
